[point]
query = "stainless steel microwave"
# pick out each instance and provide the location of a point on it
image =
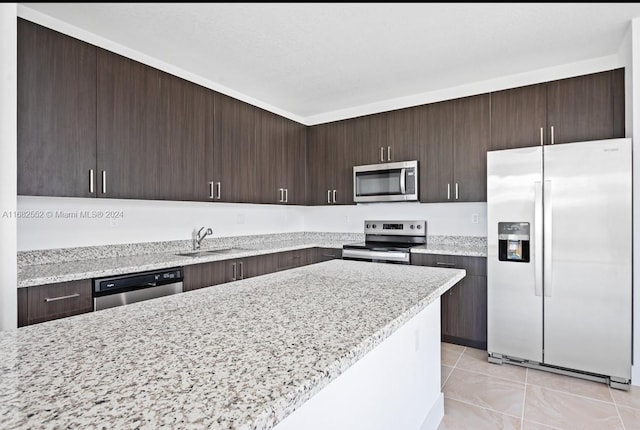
(388, 182)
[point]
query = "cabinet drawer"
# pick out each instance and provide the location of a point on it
(475, 266)
(52, 301)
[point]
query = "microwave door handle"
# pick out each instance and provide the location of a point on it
(403, 181)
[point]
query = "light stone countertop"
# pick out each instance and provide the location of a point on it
(240, 355)
(40, 274)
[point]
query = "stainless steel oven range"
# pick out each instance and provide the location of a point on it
(387, 242)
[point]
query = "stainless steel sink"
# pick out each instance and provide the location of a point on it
(211, 252)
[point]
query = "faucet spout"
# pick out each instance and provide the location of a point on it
(197, 238)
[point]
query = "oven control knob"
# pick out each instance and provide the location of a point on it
(367, 225)
(419, 227)
(411, 227)
(374, 226)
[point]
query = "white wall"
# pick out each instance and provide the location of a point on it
(51, 222)
(455, 219)
(8, 165)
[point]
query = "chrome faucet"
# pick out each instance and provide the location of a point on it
(197, 239)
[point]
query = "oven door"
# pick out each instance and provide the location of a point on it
(377, 256)
(386, 182)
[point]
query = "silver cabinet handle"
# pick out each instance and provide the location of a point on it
(281, 192)
(456, 191)
(382, 153)
(91, 181)
(55, 299)
(552, 139)
(541, 136)
(334, 196)
(218, 191)
(448, 191)
(104, 182)
(388, 153)
(286, 195)
(211, 190)
(329, 196)
(241, 270)
(235, 272)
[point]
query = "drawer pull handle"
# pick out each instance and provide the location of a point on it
(440, 263)
(54, 299)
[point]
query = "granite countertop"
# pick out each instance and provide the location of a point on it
(454, 245)
(240, 355)
(40, 274)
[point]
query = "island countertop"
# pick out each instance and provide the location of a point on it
(241, 355)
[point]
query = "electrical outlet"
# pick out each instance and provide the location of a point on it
(474, 218)
(240, 219)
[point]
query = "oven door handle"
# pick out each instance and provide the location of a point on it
(403, 181)
(399, 256)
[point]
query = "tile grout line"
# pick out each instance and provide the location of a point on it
(615, 404)
(524, 398)
(490, 375)
(452, 367)
(482, 407)
(572, 394)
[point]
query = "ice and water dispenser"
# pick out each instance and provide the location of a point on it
(513, 242)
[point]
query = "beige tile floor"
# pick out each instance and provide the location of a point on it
(479, 395)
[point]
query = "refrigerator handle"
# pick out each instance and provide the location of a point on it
(548, 228)
(537, 237)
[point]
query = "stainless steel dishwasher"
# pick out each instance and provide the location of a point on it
(135, 287)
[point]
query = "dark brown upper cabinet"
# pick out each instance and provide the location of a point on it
(56, 113)
(281, 150)
(331, 156)
(237, 166)
(589, 107)
(454, 138)
(151, 132)
(387, 137)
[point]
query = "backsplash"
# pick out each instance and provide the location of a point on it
(84, 253)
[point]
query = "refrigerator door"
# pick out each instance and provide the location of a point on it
(587, 303)
(514, 288)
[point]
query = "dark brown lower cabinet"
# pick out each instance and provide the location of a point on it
(52, 301)
(326, 254)
(198, 276)
(218, 272)
(464, 306)
(291, 259)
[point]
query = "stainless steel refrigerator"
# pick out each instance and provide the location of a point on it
(559, 259)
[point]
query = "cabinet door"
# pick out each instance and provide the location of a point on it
(53, 301)
(56, 113)
(518, 116)
(343, 156)
(293, 150)
(270, 152)
(464, 313)
(436, 152)
(471, 136)
(326, 254)
(204, 275)
(235, 150)
(319, 178)
(402, 135)
(371, 138)
(582, 108)
(291, 259)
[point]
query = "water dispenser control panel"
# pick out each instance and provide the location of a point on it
(514, 242)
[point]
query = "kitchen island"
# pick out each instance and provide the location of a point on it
(252, 354)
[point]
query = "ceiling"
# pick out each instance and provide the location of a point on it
(311, 59)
